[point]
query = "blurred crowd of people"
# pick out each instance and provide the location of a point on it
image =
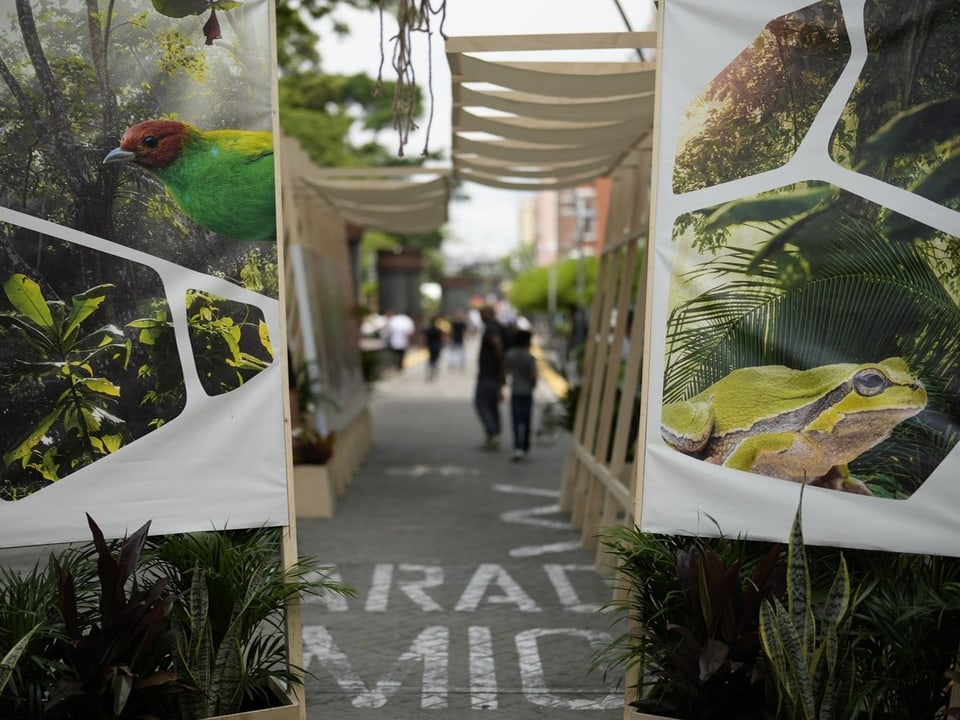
(504, 361)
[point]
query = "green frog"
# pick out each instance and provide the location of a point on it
(798, 425)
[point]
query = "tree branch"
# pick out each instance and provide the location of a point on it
(64, 141)
(98, 29)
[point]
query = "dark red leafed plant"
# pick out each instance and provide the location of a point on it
(116, 647)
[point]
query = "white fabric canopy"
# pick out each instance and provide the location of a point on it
(522, 124)
(402, 200)
(546, 125)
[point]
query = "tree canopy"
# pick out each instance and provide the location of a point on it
(530, 291)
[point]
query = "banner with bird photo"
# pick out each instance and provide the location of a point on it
(140, 377)
(805, 311)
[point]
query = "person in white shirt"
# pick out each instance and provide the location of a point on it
(397, 331)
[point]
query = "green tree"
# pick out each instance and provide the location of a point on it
(530, 291)
(755, 113)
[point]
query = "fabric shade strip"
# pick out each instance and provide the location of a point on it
(531, 124)
(398, 200)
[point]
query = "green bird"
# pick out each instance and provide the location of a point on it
(223, 180)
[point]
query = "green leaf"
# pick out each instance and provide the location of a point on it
(838, 599)
(796, 680)
(8, 662)
(180, 8)
(25, 295)
(798, 582)
(37, 336)
(150, 329)
(84, 305)
(22, 451)
(264, 334)
(769, 207)
(122, 685)
(771, 639)
(101, 385)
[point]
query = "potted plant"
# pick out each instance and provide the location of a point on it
(29, 605)
(905, 628)
(311, 449)
(692, 606)
(230, 625)
(183, 627)
(849, 634)
(808, 643)
(114, 657)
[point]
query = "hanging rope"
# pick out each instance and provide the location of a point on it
(413, 16)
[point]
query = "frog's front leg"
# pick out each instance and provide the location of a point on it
(839, 478)
(798, 457)
(786, 455)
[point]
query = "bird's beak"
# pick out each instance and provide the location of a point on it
(119, 155)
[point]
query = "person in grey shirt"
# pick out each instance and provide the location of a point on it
(521, 367)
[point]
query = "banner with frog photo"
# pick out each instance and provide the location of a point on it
(140, 377)
(806, 274)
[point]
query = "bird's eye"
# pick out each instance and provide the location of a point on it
(151, 141)
(870, 382)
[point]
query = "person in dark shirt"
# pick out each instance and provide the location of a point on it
(521, 366)
(491, 377)
(456, 354)
(433, 336)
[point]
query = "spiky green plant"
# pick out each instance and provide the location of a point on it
(232, 648)
(808, 646)
(692, 605)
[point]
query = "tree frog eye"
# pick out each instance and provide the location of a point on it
(151, 141)
(870, 382)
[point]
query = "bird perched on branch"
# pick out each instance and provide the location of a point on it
(223, 180)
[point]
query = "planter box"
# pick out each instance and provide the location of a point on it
(313, 490)
(290, 710)
(631, 713)
(287, 712)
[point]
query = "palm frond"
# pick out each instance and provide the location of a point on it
(865, 299)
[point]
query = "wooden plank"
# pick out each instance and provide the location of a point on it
(288, 549)
(647, 297)
(643, 315)
(567, 41)
(591, 384)
(580, 421)
(611, 484)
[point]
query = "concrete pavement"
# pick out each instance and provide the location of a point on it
(474, 593)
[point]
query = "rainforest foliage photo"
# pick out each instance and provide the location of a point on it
(814, 273)
(90, 359)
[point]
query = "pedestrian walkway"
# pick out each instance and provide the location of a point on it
(474, 593)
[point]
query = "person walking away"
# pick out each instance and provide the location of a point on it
(433, 336)
(521, 367)
(456, 352)
(491, 377)
(398, 330)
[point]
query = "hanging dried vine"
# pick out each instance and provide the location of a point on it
(413, 16)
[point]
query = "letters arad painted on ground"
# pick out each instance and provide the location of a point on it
(491, 587)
